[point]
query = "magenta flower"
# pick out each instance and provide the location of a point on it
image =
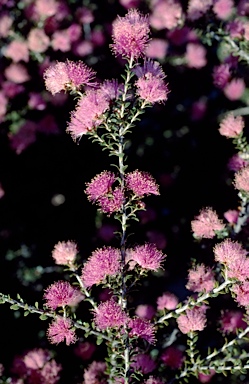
(200, 278)
(103, 262)
(60, 330)
(142, 328)
(151, 87)
(112, 89)
(60, 294)
(64, 253)
(206, 223)
(68, 76)
(147, 256)
(95, 373)
(100, 185)
(231, 126)
(167, 301)
(239, 269)
(113, 202)
(173, 357)
(88, 113)
(141, 183)
(221, 75)
(241, 181)
(231, 321)
(109, 315)
(143, 363)
(228, 251)
(242, 293)
(130, 35)
(194, 320)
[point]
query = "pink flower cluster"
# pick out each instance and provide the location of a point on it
(60, 330)
(64, 253)
(206, 224)
(142, 328)
(141, 183)
(61, 294)
(241, 181)
(109, 315)
(200, 278)
(193, 320)
(231, 126)
(167, 301)
(147, 256)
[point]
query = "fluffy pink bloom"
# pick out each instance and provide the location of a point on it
(113, 202)
(17, 73)
(195, 55)
(239, 269)
(46, 8)
(95, 373)
(64, 253)
(167, 301)
(69, 75)
(235, 89)
(146, 256)
(142, 328)
(206, 223)
(223, 8)
(102, 263)
(231, 126)
(60, 41)
(60, 294)
(157, 49)
(236, 162)
(3, 105)
(100, 185)
(206, 377)
(193, 320)
(152, 88)
(143, 363)
(88, 113)
(232, 216)
(241, 181)
(109, 315)
(242, 293)
(145, 311)
(130, 35)
(60, 330)
(166, 14)
(228, 251)
(172, 357)
(231, 321)
(24, 137)
(17, 50)
(83, 48)
(197, 8)
(235, 28)
(5, 24)
(141, 183)
(38, 41)
(200, 279)
(221, 75)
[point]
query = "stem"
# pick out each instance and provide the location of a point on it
(243, 216)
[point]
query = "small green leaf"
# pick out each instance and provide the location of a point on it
(15, 307)
(43, 317)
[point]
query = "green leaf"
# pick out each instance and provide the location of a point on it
(43, 317)
(26, 313)
(15, 307)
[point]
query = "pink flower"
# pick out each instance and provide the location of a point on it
(241, 181)
(85, 350)
(5, 24)
(195, 55)
(223, 8)
(68, 76)
(46, 8)
(112, 89)
(157, 49)
(236, 163)
(167, 301)
(197, 8)
(194, 320)
(200, 279)
(239, 269)
(100, 185)
(17, 73)
(166, 14)
(145, 311)
(143, 363)
(228, 251)
(172, 357)
(147, 256)
(206, 377)
(109, 315)
(231, 321)
(95, 373)
(221, 75)
(102, 263)
(242, 292)
(231, 126)
(17, 50)
(38, 41)
(153, 380)
(60, 294)
(235, 89)
(130, 35)
(60, 41)
(235, 28)
(206, 223)
(142, 328)
(24, 137)
(3, 105)
(113, 202)
(232, 216)
(141, 183)
(60, 330)
(64, 253)
(88, 113)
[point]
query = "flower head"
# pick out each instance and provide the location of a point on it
(130, 35)
(60, 330)
(167, 301)
(68, 76)
(103, 262)
(113, 202)
(143, 363)
(141, 183)
(221, 75)
(231, 126)
(147, 256)
(109, 315)
(95, 373)
(172, 357)
(64, 253)
(228, 251)
(200, 279)
(100, 185)
(242, 293)
(241, 181)
(60, 294)
(230, 321)
(206, 223)
(142, 328)
(193, 320)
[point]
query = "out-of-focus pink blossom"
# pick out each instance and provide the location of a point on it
(25, 136)
(206, 223)
(193, 320)
(221, 75)
(235, 163)
(231, 321)
(38, 41)
(74, 32)
(242, 293)
(60, 41)
(17, 51)
(64, 252)
(12, 89)
(206, 377)
(83, 48)
(231, 216)
(60, 330)
(166, 14)
(153, 380)
(223, 8)
(85, 350)
(84, 15)
(17, 73)
(198, 8)
(36, 101)
(241, 180)
(143, 363)
(235, 28)
(46, 8)
(3, 105)
(5, 24)
(130, 3)
(157, 49)
(95, 373)
(172, 357)
(167, 301)
(145, 311)
(231, 126)
(243, 8)
(234, 89)
(195, 55)
(198, 109)
(200, 278)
